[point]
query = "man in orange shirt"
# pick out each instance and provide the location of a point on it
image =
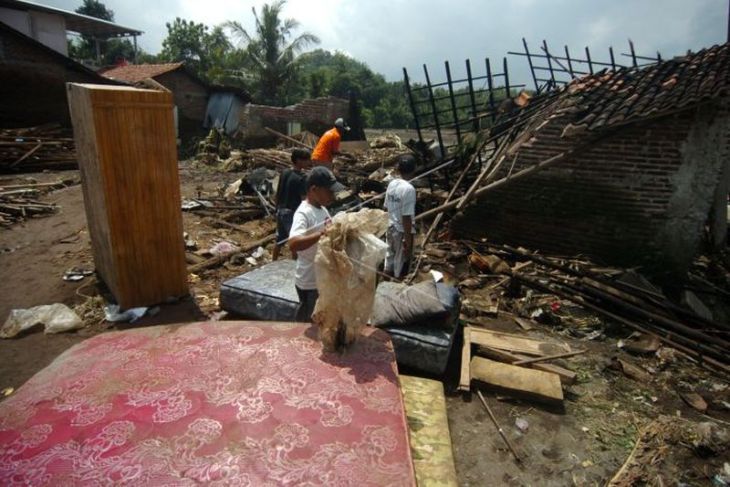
(329, 145)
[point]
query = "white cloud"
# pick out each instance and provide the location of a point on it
(388, 35)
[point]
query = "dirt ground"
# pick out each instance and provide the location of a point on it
(585, 444)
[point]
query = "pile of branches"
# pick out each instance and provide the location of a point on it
(36, 148)
(19, 202)
(637, 305)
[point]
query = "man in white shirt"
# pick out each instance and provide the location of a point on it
(308, 226)
(400, 202)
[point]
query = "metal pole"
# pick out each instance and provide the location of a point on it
(407, 82)
(633, 53)
(473, 107)
(529, 61)
(549, 61)
(491, 90)
(570, 63)
(435, 114)
(506, 78)
(453, 102)
(613, 60)
(588, 58)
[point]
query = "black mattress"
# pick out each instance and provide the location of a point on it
(268, 294)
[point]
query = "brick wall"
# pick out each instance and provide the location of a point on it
(615, 200)
(191, 97)
(32, 81)
(315, 115)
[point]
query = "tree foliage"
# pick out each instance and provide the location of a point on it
(271, 51)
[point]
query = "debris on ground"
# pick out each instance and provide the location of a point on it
(37, 148)
(20, 200)
(56, 318)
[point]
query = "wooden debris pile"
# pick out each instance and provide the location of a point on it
(577, 293)
(36, 148)
(19, 202)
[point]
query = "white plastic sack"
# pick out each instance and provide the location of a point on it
(57, 318)
(345, 265)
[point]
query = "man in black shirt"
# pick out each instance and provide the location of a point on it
(289, 195)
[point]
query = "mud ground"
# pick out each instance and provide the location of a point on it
(585, 444)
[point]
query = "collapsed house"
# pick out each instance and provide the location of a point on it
(314, 115)
(644, 164)
(189, 92)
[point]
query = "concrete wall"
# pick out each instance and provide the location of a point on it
(315, 115)
(32, 82)
(48, 29)
(639, 196)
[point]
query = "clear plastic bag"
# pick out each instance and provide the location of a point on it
(57, 318)
(346, 262)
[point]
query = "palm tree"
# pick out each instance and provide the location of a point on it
(271, 57)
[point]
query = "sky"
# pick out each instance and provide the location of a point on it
(391, 34)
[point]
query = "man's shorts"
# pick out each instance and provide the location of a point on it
(396, 262)
(284, 220)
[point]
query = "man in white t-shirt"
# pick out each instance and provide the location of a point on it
(400, 202)
(308, 226)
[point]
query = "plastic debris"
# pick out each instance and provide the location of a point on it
(112, 312)
(76, 274)
(57, 318)
(258, 253)
(437, 276)
(7, 391)
(522, 424)
(222, 248)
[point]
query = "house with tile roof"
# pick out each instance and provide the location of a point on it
(190, 93)
(646, 170)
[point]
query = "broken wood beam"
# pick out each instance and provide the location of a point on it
(549, 357)
(465, 375)
(514, 343)
(566, 376)
(498, 183)
(287, 138)
(220, 259)
(499, 428)
(533, 384)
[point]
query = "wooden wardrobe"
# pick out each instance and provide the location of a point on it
(125, 143)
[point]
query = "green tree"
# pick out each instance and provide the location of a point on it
(85, 47)
(271, 52)
(186, 42)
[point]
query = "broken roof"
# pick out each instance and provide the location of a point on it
(134, 73)
(75, 22)
(610, 98)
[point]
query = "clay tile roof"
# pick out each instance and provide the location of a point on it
(610, 98)
(134, 73)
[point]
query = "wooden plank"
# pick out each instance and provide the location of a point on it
(567, 377)
(465, 376)
(128, 160)
(514, 343)
(533, 384)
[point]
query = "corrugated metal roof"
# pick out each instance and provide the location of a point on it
(83, 24)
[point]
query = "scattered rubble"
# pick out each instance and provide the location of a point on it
(36, 148)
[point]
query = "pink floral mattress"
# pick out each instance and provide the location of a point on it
(226, 403)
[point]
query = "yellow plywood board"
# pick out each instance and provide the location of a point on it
(428, 425)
